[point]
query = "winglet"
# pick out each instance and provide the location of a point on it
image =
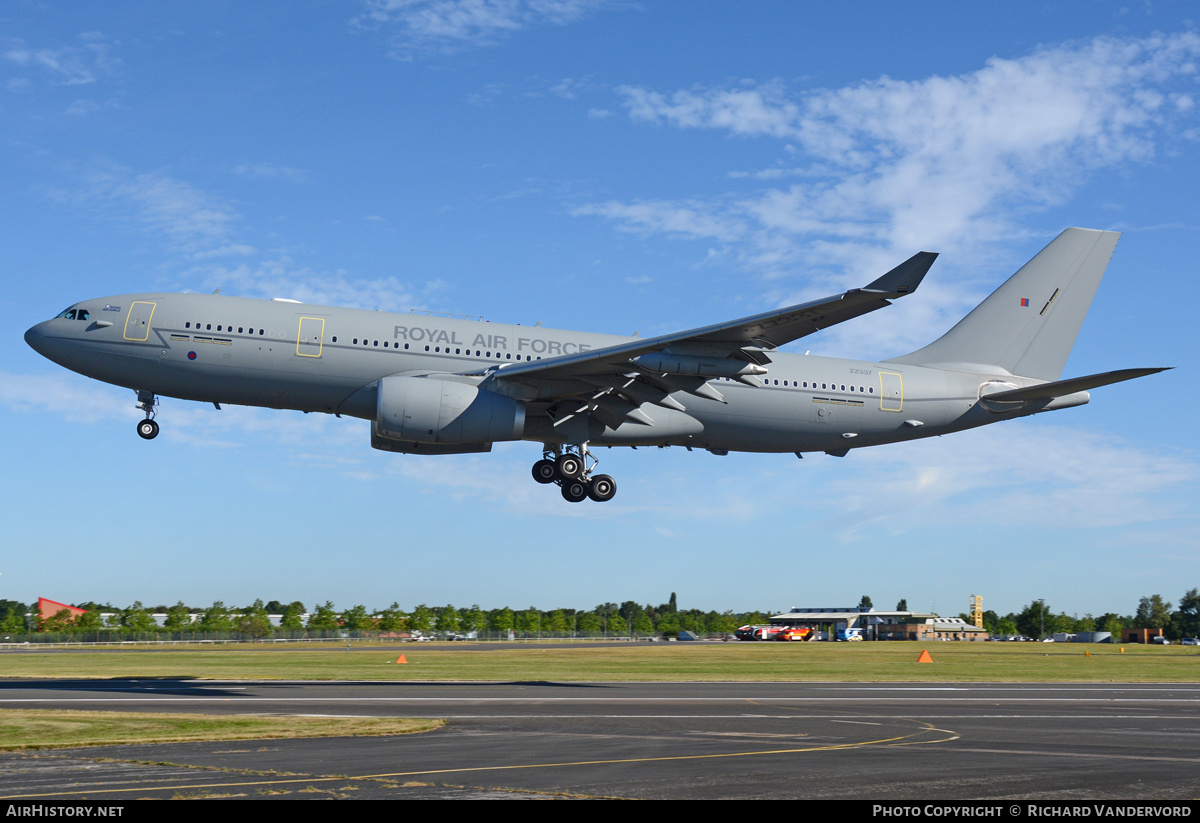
(905, 278)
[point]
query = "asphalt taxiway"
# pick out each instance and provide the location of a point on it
(641, 740)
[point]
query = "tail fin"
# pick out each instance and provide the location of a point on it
(1029, 324)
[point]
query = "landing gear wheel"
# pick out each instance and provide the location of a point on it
(569, 466)
(574, 491)
(544, 471)
(602, 488)
(147, 430)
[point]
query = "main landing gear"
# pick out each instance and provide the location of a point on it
(570, 470)
(147, 429)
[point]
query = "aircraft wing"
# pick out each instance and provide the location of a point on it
(612, 382)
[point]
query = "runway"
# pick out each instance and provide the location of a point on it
(642, 740)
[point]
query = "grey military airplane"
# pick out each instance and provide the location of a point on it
(442, 385)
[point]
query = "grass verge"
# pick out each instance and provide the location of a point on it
(857, 662)
(24, 729)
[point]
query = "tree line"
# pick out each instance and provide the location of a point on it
(1153, 612)
(628, 619)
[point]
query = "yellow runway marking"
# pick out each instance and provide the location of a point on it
(97, 791)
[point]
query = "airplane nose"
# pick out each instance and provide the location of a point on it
(36, 338)
(44, 343)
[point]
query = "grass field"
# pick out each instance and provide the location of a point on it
(879, 662)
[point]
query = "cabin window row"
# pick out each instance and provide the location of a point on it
(224, 328)
(797, 384)
(439, 350)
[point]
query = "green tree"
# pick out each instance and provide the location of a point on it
(617, 626)
(589, 623)
(324, 618)
(529, 621)
(293, 616)
(557, 622)
(60, 622)
(1112, 623)
(136, 619)
(643, 625)
(447, 620)
(501, 620)
(179, 619)
(668, 625)
(254, 621)
(12, 616)
(1152, 613)
(1186, 621)
(216, 619)
(472, 619)
(356, 619)
(1033, 618)
(902, 606)
(421, 620)
(390, 619)
(89, 621)
(865, 603)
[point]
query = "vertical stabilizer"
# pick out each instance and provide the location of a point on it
(1029, 324)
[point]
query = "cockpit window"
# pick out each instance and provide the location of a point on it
(82, 315)
(74, 314)
(69, 314)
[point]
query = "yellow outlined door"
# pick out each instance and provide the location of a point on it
(137, 322)
(891, 391)
(310, 337)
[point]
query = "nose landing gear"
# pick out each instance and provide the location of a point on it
(147, 429)
(570, 470)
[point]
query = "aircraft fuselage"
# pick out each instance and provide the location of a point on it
(286, 355)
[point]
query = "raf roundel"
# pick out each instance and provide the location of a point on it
(191, 355)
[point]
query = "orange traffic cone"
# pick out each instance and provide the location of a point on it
(401, 659)
(924, 658)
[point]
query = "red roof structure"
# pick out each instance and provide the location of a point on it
(49, 608)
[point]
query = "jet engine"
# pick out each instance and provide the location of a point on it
(435, 411)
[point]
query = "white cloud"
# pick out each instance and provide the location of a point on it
(68, 65)
(70, 397)
(271, 171)
(1011, 476)
(191, 220)
(447, 26)
(884, 168)
(281, 278)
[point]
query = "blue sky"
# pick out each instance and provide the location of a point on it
(611, 167)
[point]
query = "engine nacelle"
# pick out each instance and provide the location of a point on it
(431, 410)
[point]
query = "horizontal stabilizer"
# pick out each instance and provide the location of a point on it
(1061, 388)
